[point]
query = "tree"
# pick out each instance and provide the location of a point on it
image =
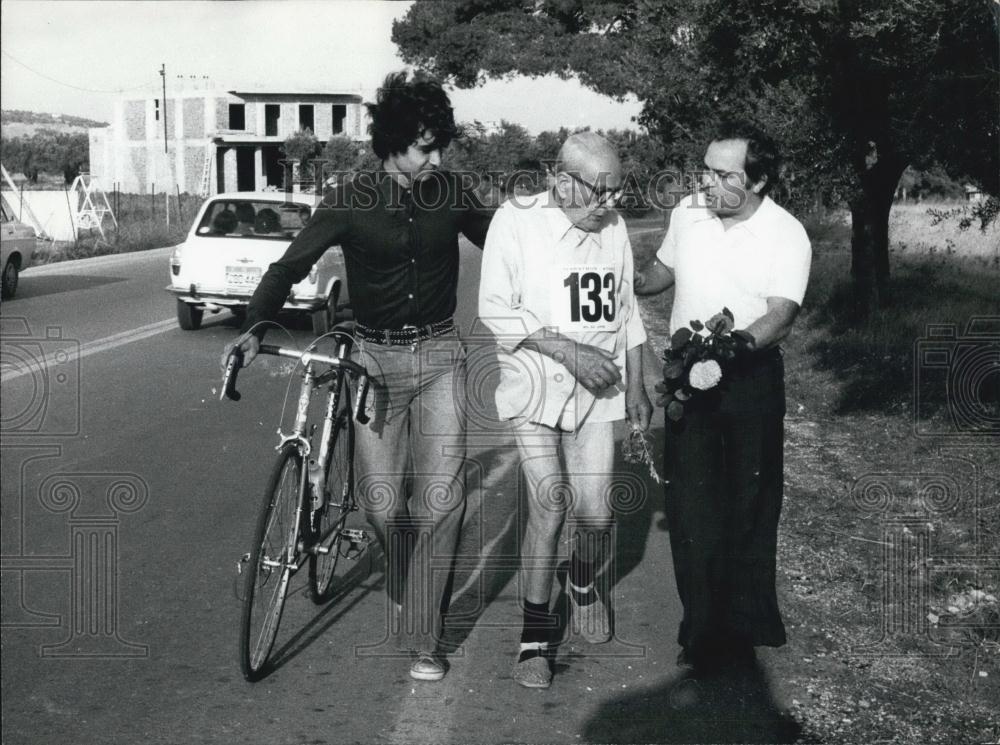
(74, 155)
(853, 89)
(340, 154)
(47, 151)
(302, 148)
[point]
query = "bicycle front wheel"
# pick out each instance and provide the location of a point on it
(334, 516)
(272, 561)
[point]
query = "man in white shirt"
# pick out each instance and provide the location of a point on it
(730, 246)
(556, 290)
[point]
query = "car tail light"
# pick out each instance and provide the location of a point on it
(175, 265)
(313, 274)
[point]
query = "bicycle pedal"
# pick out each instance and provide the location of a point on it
(358, 541)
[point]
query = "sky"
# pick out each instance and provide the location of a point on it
(67, 57)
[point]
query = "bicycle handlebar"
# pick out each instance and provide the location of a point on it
(235, 362)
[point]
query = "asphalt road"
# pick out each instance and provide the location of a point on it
(129, 492)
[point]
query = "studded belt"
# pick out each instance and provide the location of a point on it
(406, 335)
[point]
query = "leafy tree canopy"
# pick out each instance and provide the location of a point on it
(854, 90)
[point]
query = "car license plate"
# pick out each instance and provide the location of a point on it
(242, 277)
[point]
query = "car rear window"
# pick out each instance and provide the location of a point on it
(239, 218)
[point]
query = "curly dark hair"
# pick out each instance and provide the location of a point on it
(404, 109)
(763, 158)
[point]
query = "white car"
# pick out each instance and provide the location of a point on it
(233, 240)
(17, 243)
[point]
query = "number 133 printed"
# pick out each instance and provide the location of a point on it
(584, 298)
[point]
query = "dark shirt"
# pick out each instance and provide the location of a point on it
(400, 249)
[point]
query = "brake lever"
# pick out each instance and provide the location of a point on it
(233, 364)
(360, 416)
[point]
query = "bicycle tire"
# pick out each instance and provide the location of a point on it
(339, 505)
(265, 587)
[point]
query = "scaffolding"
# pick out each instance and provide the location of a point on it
(92, 205)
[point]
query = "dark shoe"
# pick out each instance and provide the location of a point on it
(427, 667)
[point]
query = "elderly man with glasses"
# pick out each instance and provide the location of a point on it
(556, 290)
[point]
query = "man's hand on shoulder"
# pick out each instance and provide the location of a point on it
(655, 278)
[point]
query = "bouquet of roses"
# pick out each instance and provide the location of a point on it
(693, 362)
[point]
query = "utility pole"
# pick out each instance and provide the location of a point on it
(163, 74)
(166, 152)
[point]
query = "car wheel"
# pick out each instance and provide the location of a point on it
(10, 274)
(188, 316)
(325, 318)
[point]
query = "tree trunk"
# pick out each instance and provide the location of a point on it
(870, 233)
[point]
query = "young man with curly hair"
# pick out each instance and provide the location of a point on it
(398, 229)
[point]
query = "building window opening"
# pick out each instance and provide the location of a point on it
(237, 116)
(306, 117)
(339, 115)
(272, 112)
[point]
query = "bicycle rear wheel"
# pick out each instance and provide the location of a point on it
(336, 513)
(265, 584)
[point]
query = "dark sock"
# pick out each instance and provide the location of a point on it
(537, 623)
(537, 630)
(581, 574)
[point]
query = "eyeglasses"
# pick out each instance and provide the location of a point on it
(601, 197)
(723, 175)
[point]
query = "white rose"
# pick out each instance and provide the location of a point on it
(705, 374)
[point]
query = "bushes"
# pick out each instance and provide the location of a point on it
(142, 226)
(47, 151)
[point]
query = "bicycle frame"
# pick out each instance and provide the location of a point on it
(298, 491)
(316, 470)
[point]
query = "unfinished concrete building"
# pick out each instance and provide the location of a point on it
(216, 141)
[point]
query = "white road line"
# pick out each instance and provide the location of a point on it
(13, 371)
(99, 262)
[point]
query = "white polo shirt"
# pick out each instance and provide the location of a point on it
(541, 272)
(767, 255)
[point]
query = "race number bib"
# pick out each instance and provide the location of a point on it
(584, 297)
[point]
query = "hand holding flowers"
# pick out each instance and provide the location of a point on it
(694, 363)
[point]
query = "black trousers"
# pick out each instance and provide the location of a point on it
(724, 462)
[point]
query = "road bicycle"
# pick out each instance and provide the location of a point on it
(309, 497)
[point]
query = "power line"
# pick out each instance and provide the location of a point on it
(70, 85)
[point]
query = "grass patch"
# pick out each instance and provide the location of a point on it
(890, 515)
(142, 226)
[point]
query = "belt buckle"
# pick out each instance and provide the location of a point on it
(415, 334)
